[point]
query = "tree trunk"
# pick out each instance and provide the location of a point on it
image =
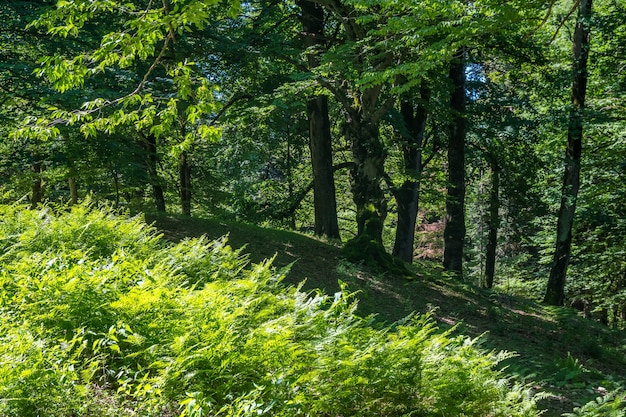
(116, 187)
(454, 233)
(492, 225)
(407, 196)
(366, 176)
(367, 173)
(290, 185)
(152, 160)
(73, 190)
(36, 196)
(320, 141)
(555, 293)
(324, 197)
(185, 183)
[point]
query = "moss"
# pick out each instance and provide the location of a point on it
(368, 250)
(372, 222)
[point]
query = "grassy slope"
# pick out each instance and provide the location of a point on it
(571, 357)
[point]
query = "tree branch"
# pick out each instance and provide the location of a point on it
(226, 106)
(569, 14)
(118, 100)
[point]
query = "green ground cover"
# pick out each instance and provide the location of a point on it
(101, 316)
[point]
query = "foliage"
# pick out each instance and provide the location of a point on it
(568, 370)
(609, 405)
(100, 318)
(94, 79)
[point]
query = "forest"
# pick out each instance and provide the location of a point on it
(482, 142)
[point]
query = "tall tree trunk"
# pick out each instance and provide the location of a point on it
(320, 141)
(184, 170)
(152, 160)
(407, 196)
(324, 196)
(71, 181)
(36, 195)
(555, 293)
(454, 233)
(492, 225)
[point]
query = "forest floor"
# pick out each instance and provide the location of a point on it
(571, 358)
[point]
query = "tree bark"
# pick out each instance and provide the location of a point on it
(184, 170)
(320, 140)
(36, 196)
(290, 185)
(150, 146)
(555, 292)
(73, 190)
(407, 196)
(492, 225)
(366, 176)
(324, 195)
(454, 232)
(116, 187)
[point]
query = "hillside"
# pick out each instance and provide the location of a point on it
(572, 358)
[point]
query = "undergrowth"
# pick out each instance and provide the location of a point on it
(99, 317)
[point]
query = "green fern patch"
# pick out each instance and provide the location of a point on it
(102, 318)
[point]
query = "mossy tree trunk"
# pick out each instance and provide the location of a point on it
(367, 173)
(555, 292)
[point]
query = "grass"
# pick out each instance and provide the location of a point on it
(573, 359)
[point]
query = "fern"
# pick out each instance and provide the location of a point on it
(609, 405)
(103, 318)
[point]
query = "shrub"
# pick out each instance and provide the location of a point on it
(95, 233)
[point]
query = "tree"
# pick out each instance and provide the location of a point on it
(381, 57)
(414, 117)
(454, 233)
(325, 204)
(364, 108)
(150, 146)
(555, 292)
(597, 270)
(493, 223)
(161, 93)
